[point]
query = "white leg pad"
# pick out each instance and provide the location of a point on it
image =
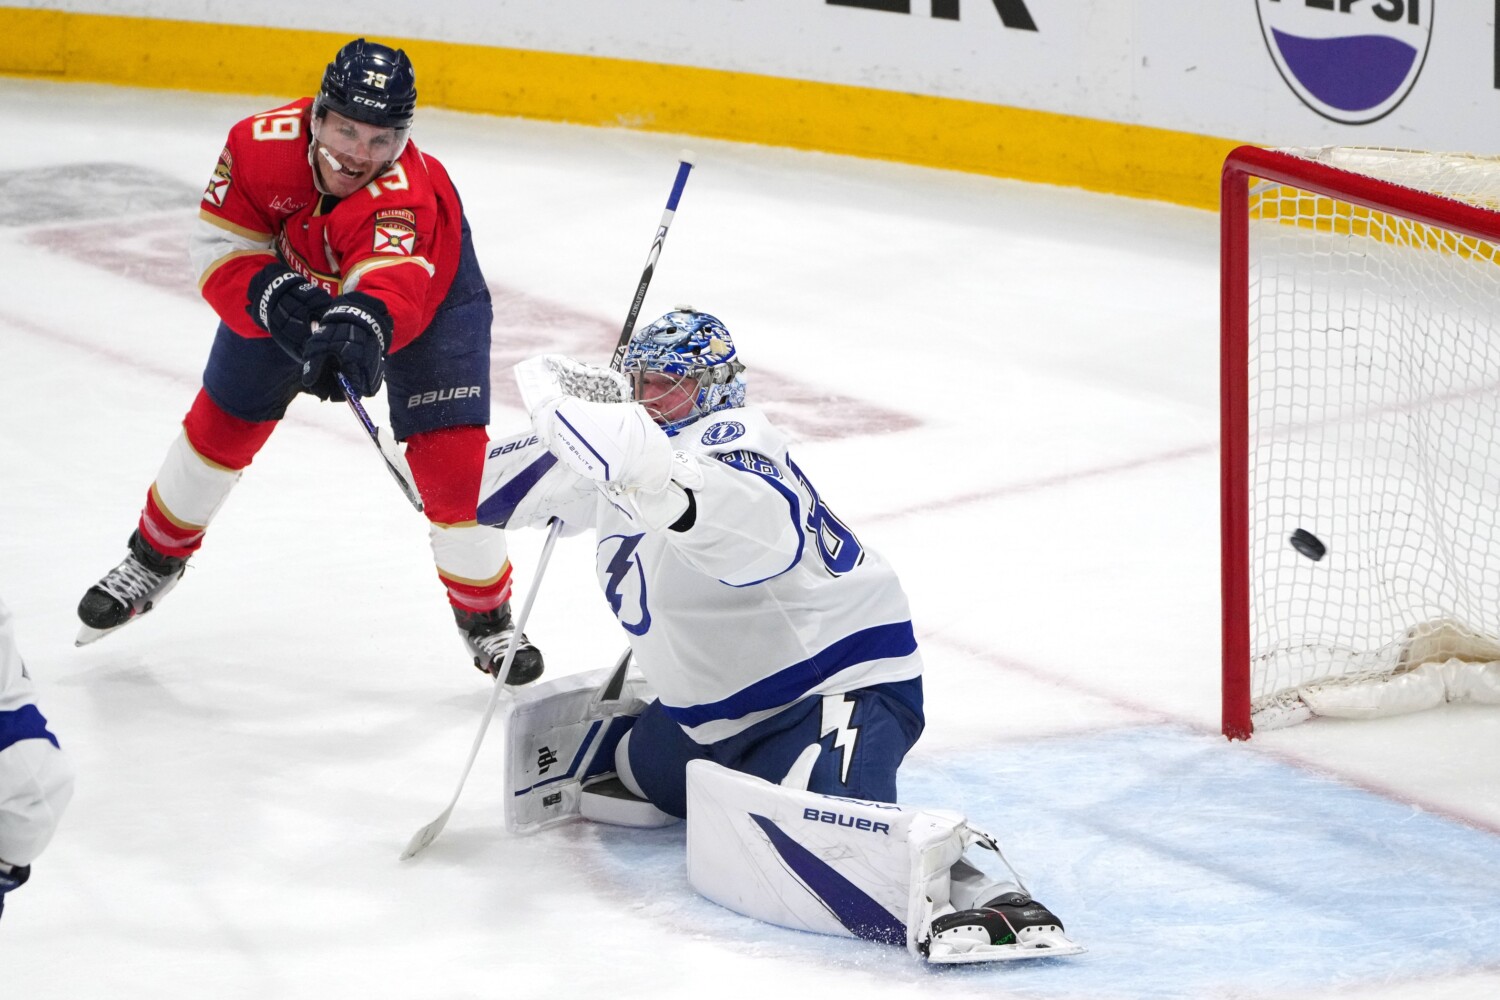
(819, 863)
(552, 733)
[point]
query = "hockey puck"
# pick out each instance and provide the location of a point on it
(1308, 544)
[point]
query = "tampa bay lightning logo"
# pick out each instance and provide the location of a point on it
(723, 432)
(624, 581)
(1351, 62)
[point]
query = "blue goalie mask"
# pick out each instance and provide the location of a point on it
(684, 366)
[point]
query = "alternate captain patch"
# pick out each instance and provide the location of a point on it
(396, 232)
(218, 184)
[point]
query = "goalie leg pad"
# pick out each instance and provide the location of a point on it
(848, 867)
(560, 734)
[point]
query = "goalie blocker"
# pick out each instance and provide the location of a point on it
(830, 865)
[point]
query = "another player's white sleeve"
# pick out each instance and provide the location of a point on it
(36, 780)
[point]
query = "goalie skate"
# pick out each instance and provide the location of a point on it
(1010, 927)
(128, 591)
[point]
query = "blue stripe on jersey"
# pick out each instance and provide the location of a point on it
(499, 506)
(24, 723)
(879, 642)
(749, 461)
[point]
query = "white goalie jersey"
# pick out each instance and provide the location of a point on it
(36, 779)
(758, 598)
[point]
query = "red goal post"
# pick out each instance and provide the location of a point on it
(1337, 261)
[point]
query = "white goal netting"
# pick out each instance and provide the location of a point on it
(1374, 422)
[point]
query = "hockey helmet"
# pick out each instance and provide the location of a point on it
(684, 366)
(370, 83)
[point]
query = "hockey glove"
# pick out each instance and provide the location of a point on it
(616, 443)
(285, 305)
(351, 338)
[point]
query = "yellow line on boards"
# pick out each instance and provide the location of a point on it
(970, 136)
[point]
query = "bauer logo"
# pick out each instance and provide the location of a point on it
(1351, 61)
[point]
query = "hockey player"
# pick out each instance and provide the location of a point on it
(330, 245)
(36, 780)
(779, 646)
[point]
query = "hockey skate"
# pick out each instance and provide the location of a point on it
(128, 591)
(1010, 926)
(488, 634)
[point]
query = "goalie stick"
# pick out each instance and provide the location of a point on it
(425, 836)
(392, 457)
(684, 165)
(429, 833)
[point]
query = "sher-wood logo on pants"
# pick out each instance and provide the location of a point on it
(1351, 61)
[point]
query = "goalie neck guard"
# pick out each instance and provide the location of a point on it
(684, 366)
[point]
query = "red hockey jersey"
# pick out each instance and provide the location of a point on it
(398, 238)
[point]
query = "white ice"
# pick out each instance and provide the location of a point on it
(1010, 390)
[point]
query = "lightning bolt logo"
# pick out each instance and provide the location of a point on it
(838, 712)
(616, 571)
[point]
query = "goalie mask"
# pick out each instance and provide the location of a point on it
(684, 366)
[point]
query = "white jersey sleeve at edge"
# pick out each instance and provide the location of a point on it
(36, 779)
(210, 243)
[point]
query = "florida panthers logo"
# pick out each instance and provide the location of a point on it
(624, 581)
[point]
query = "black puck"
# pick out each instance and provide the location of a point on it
(1308, 544)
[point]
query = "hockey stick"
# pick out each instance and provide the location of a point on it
(425, 836)
(429, 833)
(684, 165)
(352, 398)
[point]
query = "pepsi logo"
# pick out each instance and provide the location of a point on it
(1351, 61)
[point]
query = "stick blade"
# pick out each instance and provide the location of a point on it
(425, 836)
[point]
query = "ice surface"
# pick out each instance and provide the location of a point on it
(1010, 390)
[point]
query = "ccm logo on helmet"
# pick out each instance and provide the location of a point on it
(362, 99)
(839, 819)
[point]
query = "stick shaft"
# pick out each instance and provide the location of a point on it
(683, 167)
(352, 398)
(429, 833)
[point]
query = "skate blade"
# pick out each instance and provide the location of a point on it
(87, 635)
(1041, 943)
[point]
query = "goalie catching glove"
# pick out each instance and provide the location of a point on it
(583, 415)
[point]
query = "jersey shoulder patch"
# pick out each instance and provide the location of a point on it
(396, 232)
(218, 184)
(742, 429)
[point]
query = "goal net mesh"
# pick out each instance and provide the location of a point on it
(1374, 419)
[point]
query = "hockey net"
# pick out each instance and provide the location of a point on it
(1361, 403)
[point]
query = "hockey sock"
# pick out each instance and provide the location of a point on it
(471, 558)
(200, 469)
